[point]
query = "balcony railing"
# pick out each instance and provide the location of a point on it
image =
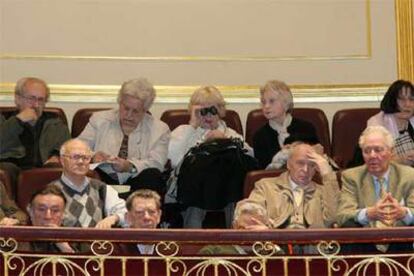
(182, 252)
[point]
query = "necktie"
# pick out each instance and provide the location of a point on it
(382, 224)
(298, 195)
(123, 151)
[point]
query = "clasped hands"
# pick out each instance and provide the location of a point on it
(387, 210)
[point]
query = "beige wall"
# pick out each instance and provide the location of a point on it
(181, 42)
(335, 54)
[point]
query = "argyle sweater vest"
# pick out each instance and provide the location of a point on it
(86, 208)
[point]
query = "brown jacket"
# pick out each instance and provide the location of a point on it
(319, 201)
(8, 207)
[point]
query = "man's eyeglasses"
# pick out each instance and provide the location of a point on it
(141, 212)
(368, 150)
(53, 210)
(78, 157)
(33, 99)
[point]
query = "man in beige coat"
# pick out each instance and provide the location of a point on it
(379, 193)
(293, 200)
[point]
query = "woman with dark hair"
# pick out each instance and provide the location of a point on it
(397, 116)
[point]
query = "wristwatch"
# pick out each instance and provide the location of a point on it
(133, 169)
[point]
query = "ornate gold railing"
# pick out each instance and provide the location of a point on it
(177, 252)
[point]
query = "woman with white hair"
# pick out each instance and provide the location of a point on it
(130, 142)
(281, 129)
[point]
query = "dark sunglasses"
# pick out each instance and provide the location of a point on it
(208, 110)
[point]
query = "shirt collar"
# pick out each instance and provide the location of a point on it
(73, 186)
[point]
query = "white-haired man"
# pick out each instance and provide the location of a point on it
(132, 143)
(379, 193)
(90, 202)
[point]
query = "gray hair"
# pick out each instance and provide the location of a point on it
(139, 88)
(20, 88)
(65, 145)
(247, 206)
(388, 138)
(282, 92)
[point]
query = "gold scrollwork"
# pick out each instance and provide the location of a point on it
(367, 265)
(167, 249)
(328, 249)
(50, 265)
(265, 249)
(8, 245)
(102, 248)
(217, 266)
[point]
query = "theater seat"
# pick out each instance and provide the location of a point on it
(254, 176)
(315, 116)
(33, 180)
(8, 110)
(175, 117)
(81, 119)
(347, 126)
(5, 179)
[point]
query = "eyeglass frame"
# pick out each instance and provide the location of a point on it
(78, 157)
(33, 99)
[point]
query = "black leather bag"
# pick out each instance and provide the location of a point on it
(212, 174)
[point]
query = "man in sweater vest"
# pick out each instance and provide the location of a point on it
(90, 202)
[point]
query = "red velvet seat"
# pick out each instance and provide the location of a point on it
(33, 180)
(81, 119)
(347, 126)
(175, 117)
(8, 110)
(315, 116)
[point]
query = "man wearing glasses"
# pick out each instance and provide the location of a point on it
(379, 193)
(46, 209)
(30, 137)
(144, 212)
(90, 202)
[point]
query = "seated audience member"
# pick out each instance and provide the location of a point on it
(248, 215)
(282, 129)
(10, 214)
(144, 212)
(293, 200)
(397, 116)
(379, 193)
(207, 108)
(132, 143)
(30, 137)
(46, 209)
(90, 202)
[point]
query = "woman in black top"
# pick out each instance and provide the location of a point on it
(282, 129)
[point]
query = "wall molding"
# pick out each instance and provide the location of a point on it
(232, 94)
(405, 39)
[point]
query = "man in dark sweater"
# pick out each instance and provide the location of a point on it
(30, 137)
